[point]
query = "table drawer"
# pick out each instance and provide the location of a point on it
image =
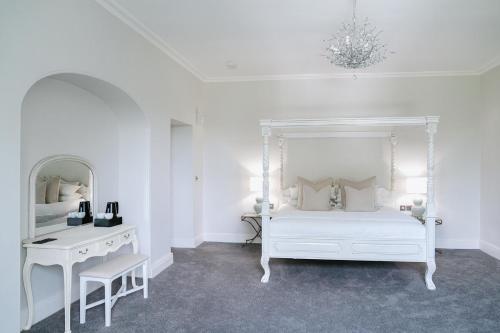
(84, 252)
(127, 236)
(111, 244)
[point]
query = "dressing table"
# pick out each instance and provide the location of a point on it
(73, 245)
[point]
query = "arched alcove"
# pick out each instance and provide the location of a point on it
(75, 114)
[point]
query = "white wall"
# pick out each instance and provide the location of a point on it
(490, 162)
(43, 38)
(233, 153)
(61, 118)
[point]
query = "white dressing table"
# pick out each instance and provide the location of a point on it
(73, 245)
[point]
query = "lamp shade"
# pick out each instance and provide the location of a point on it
(416, 185)
(256, 184)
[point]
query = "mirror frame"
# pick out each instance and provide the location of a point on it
(32, 187)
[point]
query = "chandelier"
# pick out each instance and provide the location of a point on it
(356, 45)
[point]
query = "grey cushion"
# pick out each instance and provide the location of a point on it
(358, 185)
(362, 200)
(40, 193)
(315, 185)
(313, 199)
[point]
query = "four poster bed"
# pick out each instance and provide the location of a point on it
(384, 234)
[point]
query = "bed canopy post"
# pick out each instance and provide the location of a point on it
(394, 142)
(430, 225)
(281, 143)
(264, 260)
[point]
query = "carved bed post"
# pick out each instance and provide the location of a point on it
(264, 260)
(394, 142)
(430, 221)
(281, 143)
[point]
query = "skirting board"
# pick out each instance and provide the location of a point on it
(440, 243)
(161, 264)
(490, 249)
(189, 243)
(454, 243)
(228, 238)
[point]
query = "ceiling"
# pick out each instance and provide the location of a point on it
(279, 39)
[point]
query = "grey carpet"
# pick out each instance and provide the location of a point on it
(216, 288)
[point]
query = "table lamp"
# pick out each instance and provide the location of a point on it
(256, 186)
(417, 185)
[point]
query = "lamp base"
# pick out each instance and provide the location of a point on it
(417, 210)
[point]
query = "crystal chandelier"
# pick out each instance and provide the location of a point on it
(356, 45)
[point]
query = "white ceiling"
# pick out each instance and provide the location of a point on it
(270, 39)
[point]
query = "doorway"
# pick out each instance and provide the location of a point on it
(182, 185)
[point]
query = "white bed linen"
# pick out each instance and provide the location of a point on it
(57, 208)
(385, 223)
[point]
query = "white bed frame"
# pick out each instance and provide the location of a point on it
(409, 250)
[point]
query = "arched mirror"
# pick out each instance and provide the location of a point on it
(58, 185)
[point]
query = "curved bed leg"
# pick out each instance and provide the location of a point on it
(431, 268)
(264, 261)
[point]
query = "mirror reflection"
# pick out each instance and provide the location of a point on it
(60, 187)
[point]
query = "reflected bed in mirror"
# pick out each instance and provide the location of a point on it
(57, 187)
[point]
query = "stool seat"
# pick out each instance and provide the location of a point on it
(106, 273)
(114, 267)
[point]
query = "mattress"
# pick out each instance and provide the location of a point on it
(385, 223)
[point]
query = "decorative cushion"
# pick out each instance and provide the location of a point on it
(336, 196)
(362, 200)
(52, 192)
(359, 185)
(84, 191)
(316, 192)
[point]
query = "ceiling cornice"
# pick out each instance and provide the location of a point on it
(338, 76)
(126, 17)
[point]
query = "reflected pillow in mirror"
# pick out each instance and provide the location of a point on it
(41, 189)
(64, 181)
(68, 189)
(74, 196)
(52, 192)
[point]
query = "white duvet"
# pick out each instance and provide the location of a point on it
(57, 208)
(385, 223)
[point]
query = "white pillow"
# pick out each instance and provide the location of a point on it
(362, 200)
(383, 197)
(313, 199)
(68, 189)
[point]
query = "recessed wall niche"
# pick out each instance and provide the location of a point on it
(74, 114)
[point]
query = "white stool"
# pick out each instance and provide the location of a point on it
(106, 273)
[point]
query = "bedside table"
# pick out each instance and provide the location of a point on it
(255, 221)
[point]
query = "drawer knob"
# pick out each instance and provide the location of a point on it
(83, 252)
(109, 243)
(126, 236)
